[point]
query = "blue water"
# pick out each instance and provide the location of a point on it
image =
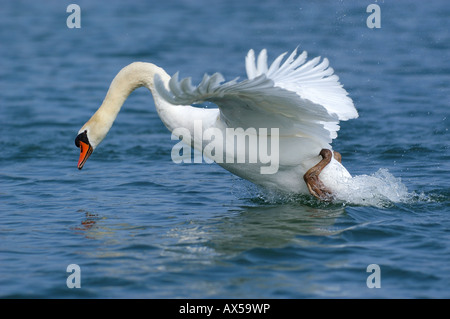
(141, 226)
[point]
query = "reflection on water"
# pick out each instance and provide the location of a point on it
(268, 226)
(89, 227)
(272, 226)
(204, 238)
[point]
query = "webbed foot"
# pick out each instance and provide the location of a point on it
(311, 177)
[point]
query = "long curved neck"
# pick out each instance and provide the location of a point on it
(131, 77)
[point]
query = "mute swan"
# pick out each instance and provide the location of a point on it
(302, 99)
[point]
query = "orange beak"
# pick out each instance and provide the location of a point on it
(85, 152)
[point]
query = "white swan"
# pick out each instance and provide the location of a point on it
(303, 100)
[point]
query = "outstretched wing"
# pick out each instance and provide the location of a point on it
(301, 99)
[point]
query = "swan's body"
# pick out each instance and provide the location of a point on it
(304, 101)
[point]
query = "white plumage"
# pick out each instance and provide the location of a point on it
(302, 99)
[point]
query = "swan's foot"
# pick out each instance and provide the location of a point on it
(311, 177)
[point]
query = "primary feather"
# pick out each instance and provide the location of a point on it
(303, 99)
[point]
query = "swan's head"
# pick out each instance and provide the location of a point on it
(86, 149)
(92, 134)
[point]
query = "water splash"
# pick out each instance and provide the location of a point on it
(380, 189)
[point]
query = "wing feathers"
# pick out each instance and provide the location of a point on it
(303, 98)
(262, 62)
(250, 66)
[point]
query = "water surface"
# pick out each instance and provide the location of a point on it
(141, 226)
